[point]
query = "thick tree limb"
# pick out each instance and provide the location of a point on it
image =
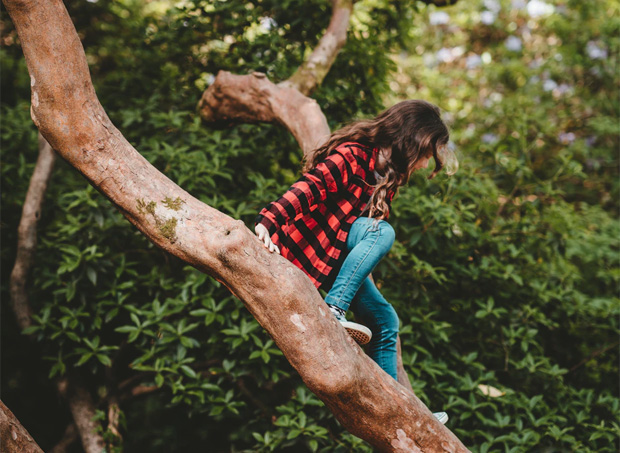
(26, 245)
(13, 436)
(254, 98)
(363, 397)
(27, 232)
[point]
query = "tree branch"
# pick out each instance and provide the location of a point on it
(403, 379)
(26, 245)
(114, 417)
(595, 354)
(68, 438)
(141, 390)
(27, 232)
(254, 98)
(312, 71)
(13, 436)
(368, 402)
(83, 411)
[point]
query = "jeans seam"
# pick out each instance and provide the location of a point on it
(358, 266)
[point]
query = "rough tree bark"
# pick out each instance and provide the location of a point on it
(13, 436)
(80, 402)
(66, 110)
(254, 98)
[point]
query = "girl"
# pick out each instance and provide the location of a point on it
(332, 223)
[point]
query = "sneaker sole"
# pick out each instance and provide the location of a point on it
(441, 417)
(361, 334)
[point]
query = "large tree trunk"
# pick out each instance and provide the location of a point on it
(368, 402)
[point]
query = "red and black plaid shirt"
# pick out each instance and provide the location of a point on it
(311, 221)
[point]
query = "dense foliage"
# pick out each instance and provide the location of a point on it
(505, 276)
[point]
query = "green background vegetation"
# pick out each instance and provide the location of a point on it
(505, 276)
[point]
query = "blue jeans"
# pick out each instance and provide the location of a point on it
(367, 243)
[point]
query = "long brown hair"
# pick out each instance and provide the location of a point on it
(410, 130)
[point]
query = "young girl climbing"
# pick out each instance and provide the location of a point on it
(332, 222)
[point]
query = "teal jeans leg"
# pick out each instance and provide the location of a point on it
(371, 308)
(368, 242)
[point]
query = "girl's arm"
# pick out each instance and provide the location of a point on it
(329, 176)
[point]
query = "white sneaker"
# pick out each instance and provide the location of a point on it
(442, 417)
(358, 332)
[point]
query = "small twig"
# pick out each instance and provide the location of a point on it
(258, 403)
(68, 438)
(595, 354)
(427, 225)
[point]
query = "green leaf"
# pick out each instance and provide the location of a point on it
(188, 371)
(30, 330)
(92, 275)
(126, 329)
(84, 358)
(104, 359)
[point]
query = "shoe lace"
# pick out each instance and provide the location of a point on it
(337, 311)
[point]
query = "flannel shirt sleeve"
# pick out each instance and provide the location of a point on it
(329, 176)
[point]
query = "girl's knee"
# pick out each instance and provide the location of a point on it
(387, 234)
(393, 322)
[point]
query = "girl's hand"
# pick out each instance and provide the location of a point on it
(263, 235)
